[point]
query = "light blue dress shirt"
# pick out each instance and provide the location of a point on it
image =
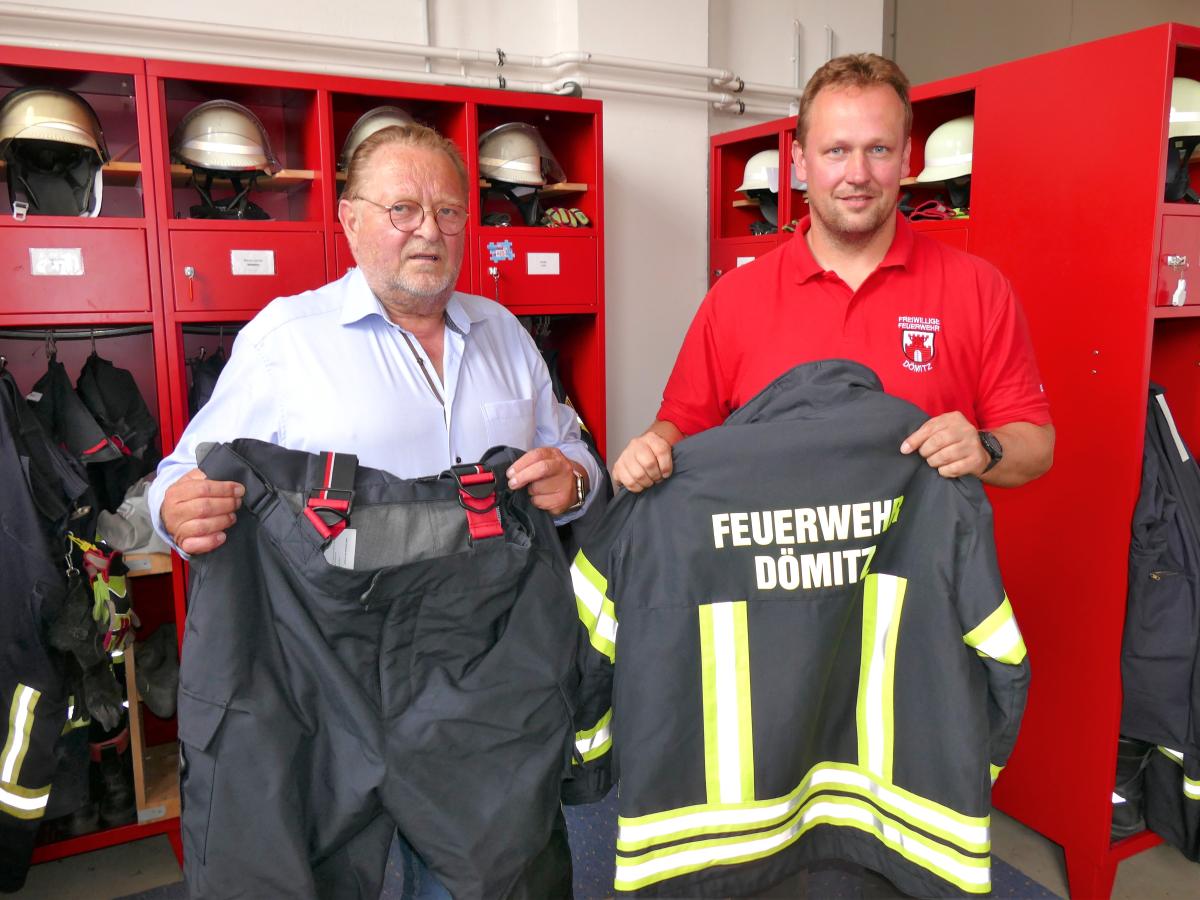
(327, 370)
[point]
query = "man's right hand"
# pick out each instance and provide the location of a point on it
(648, 458)
(196, 511)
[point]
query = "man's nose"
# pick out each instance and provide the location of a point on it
(428, 228)
(856, 170)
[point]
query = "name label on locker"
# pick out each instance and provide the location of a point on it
(252, 262)
(542, 263)
(55, 261)
(742, 260)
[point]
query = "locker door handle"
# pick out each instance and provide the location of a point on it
(494, 271)
(189, 272)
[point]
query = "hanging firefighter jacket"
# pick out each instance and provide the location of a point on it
(815, 659)
(205, 372)
(112, 397)
(39, 489)
(1173, 799)
(1160, 657)
(366, 653)
(66, 419)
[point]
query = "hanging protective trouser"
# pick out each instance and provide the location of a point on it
(424, 683)
(38, 490)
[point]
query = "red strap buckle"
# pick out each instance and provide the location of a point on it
(477, 497)
(328, 507)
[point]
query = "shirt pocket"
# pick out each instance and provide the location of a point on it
(511, 423)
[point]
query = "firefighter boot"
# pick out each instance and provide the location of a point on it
(114, 764)
(158, 671)
(1129, 792)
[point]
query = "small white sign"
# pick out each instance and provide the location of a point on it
(55, 261)
(542, 263)
(742, 260)
(340, 551)
(252, 262)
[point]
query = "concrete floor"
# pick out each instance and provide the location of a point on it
(1158, 874)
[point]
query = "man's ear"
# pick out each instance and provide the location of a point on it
(904, 162)
(349, 218)
(798, 161)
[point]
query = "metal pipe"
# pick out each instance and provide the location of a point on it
(176, 28)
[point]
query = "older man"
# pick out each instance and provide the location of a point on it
(389, 363)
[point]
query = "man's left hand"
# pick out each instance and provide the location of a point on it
(550, 477)
(950, 444)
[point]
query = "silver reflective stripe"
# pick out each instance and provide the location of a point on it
(1166, 411)
(20, 723)
(972, 875)
(883, 601)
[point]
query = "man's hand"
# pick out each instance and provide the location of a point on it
(550, 477)
(649, 458)
(950, 444)
(196, 511)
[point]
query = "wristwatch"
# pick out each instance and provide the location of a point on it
(580, 492)
(993, 448)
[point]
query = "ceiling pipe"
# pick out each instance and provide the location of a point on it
(262, 56)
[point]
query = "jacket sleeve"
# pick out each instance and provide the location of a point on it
(594, 574)
(990, 629)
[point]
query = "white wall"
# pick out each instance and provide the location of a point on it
(939, 38)
(656, 151)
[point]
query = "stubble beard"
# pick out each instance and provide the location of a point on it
(848, 230)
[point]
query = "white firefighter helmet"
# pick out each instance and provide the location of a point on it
(516, 153)
(948, 150)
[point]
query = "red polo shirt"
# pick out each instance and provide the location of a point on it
(941, 328)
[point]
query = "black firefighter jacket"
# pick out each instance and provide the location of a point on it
(815, 657)
(1160, 658)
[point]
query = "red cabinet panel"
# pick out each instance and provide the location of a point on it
(727, 255)
(243, 271)
(59, 270)
(1181, 240)
(546, 271)
(344, 259)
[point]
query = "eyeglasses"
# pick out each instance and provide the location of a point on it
(407, 215)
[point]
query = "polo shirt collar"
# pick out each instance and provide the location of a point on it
(361, 302)
(806, 266)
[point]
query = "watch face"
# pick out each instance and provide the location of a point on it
(991, 445)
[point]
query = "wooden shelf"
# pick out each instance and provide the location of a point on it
(116, 174)
(283, 180)
(155, 769)
(147, 563)
(561, 189)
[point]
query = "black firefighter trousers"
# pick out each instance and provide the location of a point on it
(426, 686)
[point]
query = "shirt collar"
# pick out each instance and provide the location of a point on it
(806, 265)
(361, 302)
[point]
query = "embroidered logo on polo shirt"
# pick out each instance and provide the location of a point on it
(917, 339)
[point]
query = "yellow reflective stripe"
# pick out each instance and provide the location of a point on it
(595, 741)
(22, 802)
(725, 686)
(20, 723)
(595, 609)
(883, 601)
(998, 636)
(971, 874)
(996, 770)
(1173, 755)
(1191, 788)
(971, 833)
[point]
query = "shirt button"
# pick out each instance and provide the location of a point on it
(457, 459)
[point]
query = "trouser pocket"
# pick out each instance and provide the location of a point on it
(199, 723)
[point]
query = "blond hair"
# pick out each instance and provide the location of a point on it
(857, 70)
